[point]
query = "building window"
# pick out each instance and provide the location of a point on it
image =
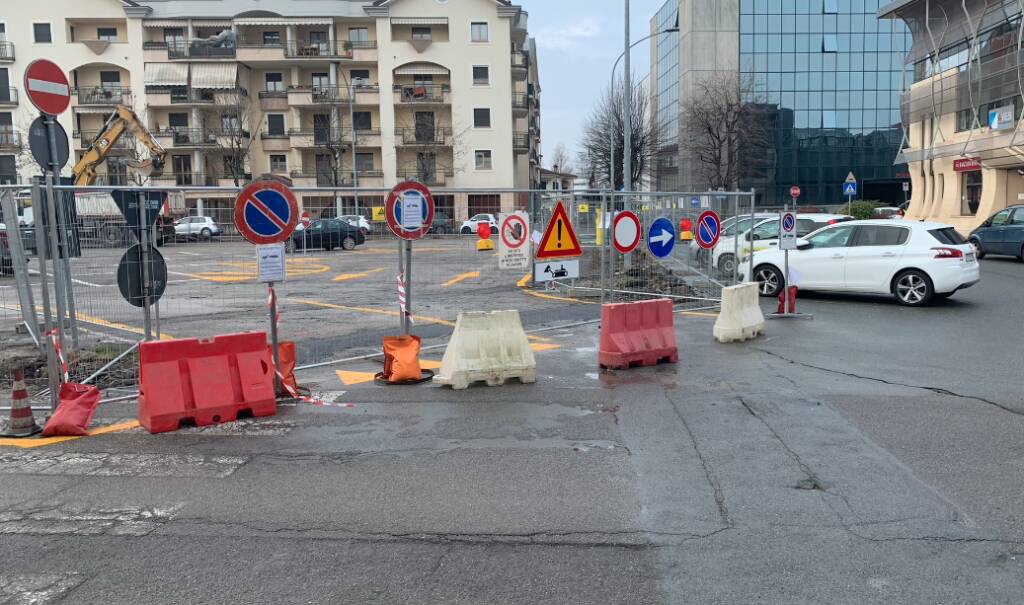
(831, 7)
(359, 77)
(421, 33)
(275, 124)
(828, 119)
(479, 32)
(278, 163)
(230, 124)
(481, 117)
(106, 33)
(272, 38)
(41, 33)
(110, 79)
(361, 120)
(483, 159)
(274, 82)
(232, 166)
(364, 162)
(422, 79)
(484, 204)
(481, 75)
(358, 34)
(971, 183)
(830, 43)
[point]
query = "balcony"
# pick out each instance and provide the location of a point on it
(251, 51)
(297, 49)
(436, 176)
(10, 140)
(520, 104)
(274, 100)
(182, 179)
(364, 50)
(196, 49)
(84, 140)
(275, 141)
(520, 142)
(367, 137)
(423, 94)
(318, 137)
(6, 51)
(366, 94)
(180, 137)
(423, 137)
(103, 95)
(520, 66)
(8, 97)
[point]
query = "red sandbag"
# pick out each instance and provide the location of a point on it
(74, 413)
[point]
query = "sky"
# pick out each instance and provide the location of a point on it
(577, 44)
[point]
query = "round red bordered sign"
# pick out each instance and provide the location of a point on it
(47, 87)
(508, 228)
(306, 219)
(409, 210)
(709, 229)
(266, 212)
(794, 192)
(626, 231)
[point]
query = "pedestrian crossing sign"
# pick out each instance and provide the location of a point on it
(850, 188)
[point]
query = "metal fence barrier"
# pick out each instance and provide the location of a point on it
(336, 303)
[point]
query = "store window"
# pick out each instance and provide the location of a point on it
(971, 186)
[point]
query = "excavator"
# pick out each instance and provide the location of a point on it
(121, 120)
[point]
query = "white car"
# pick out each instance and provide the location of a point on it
(765, 236)
(196, 227)
(730, 227)
(359, 221)
(471, 225)
(915, 262)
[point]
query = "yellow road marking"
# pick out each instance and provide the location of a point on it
(350, 378)
(245, 271)
(526, 279)
(697, 313)
(30, 443)
(348, 276)
(460, 277)
(429, 364)
(541, 346)
(91, 319)
(420, 318)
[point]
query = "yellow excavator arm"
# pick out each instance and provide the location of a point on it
(121, 120)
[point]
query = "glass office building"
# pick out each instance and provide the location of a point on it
(665, 98)
(828, 74)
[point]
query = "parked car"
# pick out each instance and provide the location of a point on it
(470, 226)
(327, 234)
(442, 224)
(196, 227)
(888, 212)
(730, 228)
(913, 261)
(765, 235)
(1002, 233)
(358, 221)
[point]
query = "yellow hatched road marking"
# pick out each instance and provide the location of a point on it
(350, 276)
(31, 443)
(460, 277)
(91, 319)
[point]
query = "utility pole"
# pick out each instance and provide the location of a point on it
(627, 118)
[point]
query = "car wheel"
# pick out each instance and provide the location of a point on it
(349, 243)
(727, 264)
(913, 288)
(206, 233)
(978, 252)
(769, 280)
(1020, 256)
(466, 231)
(111, 236)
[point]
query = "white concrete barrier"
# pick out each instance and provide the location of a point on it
(741, 317)
(489, 347)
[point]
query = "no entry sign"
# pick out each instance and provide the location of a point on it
(626, 232)
(409, 210)
(266, 212)
(794, 192)
(47, 87)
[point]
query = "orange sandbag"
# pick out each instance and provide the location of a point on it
(74, 413)
(401, 358)
(286, 359)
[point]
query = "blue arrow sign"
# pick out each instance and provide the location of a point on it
(661, 237)
(849, 188)
(695, 201)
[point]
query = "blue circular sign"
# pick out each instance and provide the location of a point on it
(661, 237)
(788, 222)
(709, 227)
(695, 201)
(266, 212)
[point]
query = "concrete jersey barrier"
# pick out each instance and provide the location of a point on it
(741, 317)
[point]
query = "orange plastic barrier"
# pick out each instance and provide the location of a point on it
(637, 333)
(205, 381)
(286, 359)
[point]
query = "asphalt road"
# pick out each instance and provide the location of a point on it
(872, 455)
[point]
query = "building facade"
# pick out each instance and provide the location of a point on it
(825, 74)
(962, 110)
(329, 93)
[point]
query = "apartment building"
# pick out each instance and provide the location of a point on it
(330, 93)
(962, 110)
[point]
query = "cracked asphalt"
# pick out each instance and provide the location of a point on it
(872, 455)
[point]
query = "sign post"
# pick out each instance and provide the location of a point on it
(266, 212)
(409, 213)
(850, 190)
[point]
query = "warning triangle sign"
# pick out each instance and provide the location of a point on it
(559, 238)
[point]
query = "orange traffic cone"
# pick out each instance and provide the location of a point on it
(21, 423)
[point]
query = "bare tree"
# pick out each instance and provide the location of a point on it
(728, 129)
(605, 128)
(560, 160)
(237, 115)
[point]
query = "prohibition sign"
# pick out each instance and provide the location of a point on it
(708, 229)
(266, 212)
(788, 222)
(47, 87)
(409, 195)
(626, 232)
(514, 226)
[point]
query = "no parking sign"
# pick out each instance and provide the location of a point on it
(409, 210)
(266, 212)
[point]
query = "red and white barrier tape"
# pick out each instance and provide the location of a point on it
(271, 304)
(296, 395)
(403, 308)
(53, 334)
